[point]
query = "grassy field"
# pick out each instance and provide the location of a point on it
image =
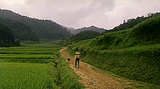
(33, 67)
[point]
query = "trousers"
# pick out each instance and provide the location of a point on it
(77, 61)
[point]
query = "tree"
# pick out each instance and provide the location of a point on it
(6, 36)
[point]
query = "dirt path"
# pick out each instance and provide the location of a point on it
(90, 78)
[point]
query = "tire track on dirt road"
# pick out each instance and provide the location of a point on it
(90, 78)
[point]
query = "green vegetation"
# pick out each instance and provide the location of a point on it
(132, 53)
(84, 35)
(33, 54)
(32, 29)
(7, 37)
(34, 67)
(64, 77)
(130, 23)
(21, 31)
(24, 75)
(146, 33)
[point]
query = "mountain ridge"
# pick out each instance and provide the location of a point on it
(90, 28)
(44, 29)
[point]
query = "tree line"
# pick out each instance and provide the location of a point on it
(83, 35)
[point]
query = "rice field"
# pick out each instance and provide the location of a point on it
(32, 54)
(32, 67)
(26, 67)
(24, 76)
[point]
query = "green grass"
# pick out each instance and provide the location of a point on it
(132, 53)
(69, 79)
(24, 76)
(136, 63)
(64, 77)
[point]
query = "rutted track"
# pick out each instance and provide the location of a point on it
(90, 78)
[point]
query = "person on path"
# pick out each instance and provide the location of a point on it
(77, 59)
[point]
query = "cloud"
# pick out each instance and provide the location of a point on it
(87, 14)
(80, 13)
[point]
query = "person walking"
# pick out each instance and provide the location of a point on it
(77, 59)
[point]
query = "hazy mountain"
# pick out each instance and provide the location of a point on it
(70, 29)
(91, 28)
(44, 29)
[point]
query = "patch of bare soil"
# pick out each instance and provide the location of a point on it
(90, 78)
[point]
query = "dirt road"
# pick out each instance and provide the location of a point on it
(91, 78)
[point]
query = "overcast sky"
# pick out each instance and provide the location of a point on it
(83, 13)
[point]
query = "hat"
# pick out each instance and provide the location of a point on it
(77, 52)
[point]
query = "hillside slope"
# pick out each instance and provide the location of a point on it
(130, 23)
(145, 33)
(132, 53)
(44, 29)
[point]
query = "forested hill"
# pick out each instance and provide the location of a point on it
(21, 31)
(132, 22)
(44, 29)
